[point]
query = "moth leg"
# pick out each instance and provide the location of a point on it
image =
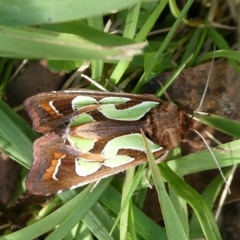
(194, 144)
(201, 146)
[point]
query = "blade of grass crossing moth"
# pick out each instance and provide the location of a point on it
(125, 215)
(179, 204)
(195, 200)
(172, 222)
(135, 183)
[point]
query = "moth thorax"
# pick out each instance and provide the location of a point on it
(167, 125)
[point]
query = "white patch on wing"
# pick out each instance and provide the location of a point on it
(53, 108)
(54, 176)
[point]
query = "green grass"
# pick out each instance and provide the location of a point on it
(69, 33)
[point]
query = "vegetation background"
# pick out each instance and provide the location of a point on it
(129, 43)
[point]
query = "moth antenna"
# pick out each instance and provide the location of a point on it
(198, 109)
(99, 86)
(207, 83)
(220, 170)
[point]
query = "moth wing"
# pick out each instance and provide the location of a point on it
(53, 168)
(52, 111)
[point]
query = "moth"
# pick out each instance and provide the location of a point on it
(90, 135)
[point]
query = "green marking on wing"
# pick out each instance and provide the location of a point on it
(117, 161)
(83, 144)
(130, 114)
(84, 168)
(82, 101)
(131, 141)
(110, 153)
(114, 100)
(81, 119)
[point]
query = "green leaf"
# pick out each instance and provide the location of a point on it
(222, 124)
(210, 195)
(99, 218)
(16, 136)
(170, 215)
(35, 43)
(164, 44)
(227, 155)
(34, 12)
(195, 200)
(123, 65)
(66, 217)
(144, 226)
